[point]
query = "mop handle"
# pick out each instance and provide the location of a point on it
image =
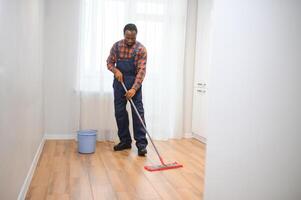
(143, 125)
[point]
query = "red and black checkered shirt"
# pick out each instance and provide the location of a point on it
(126, 52)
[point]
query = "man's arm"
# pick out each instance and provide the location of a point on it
(111, 63)
(141, 69)
(112, 58)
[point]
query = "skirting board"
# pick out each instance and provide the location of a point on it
(59, 136)
(31, 171)
(200, 138)
(73, 136)
(187, 135)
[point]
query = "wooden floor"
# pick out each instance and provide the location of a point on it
(62, 173)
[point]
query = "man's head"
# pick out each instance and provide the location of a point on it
(130, 32)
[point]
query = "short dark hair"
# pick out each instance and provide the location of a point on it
(130, 27)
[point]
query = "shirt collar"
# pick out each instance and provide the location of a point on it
(134, 45)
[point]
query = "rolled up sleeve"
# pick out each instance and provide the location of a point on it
(111, 61)
(141, 68)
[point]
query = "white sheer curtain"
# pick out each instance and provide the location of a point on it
(161, 29)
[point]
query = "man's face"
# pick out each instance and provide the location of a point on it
(130, 37)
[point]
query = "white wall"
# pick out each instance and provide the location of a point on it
(254, 106)
(61, 37)
(61, 48)
(21, 94)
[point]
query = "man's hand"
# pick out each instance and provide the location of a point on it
(130, 93)
(118, 75)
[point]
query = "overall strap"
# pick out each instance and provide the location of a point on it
(135, 52)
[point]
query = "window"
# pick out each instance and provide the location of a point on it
(102, 23)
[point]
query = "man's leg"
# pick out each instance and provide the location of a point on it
(139, 131)
(121, 115)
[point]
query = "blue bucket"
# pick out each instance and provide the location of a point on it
(86, 141)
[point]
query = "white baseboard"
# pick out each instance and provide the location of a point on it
(188, 135)
(60, 136)
(200, 138)
(31, 171)
(73, 136)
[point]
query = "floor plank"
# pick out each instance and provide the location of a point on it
(62, 173)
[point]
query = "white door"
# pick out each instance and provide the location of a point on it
(202, 62)
(200, 112)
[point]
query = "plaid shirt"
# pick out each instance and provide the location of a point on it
(125, 52)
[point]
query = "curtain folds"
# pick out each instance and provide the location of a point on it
(161, 29)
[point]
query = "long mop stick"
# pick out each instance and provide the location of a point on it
(163, 165)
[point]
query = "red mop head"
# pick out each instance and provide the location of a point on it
(161, 167)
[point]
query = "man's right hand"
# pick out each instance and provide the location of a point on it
(118, 75)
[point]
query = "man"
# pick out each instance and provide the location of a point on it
(127, 60)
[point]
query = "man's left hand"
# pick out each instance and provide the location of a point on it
(130, 93)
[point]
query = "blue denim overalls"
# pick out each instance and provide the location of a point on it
(128, 69)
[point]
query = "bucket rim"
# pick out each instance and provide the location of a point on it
(91, 132)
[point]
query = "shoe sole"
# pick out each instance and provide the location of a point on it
(142, 154)
(122, 149)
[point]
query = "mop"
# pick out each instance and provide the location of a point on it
(163, 165)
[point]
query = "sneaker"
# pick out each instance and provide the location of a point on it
(142, 152)
(122, 146)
